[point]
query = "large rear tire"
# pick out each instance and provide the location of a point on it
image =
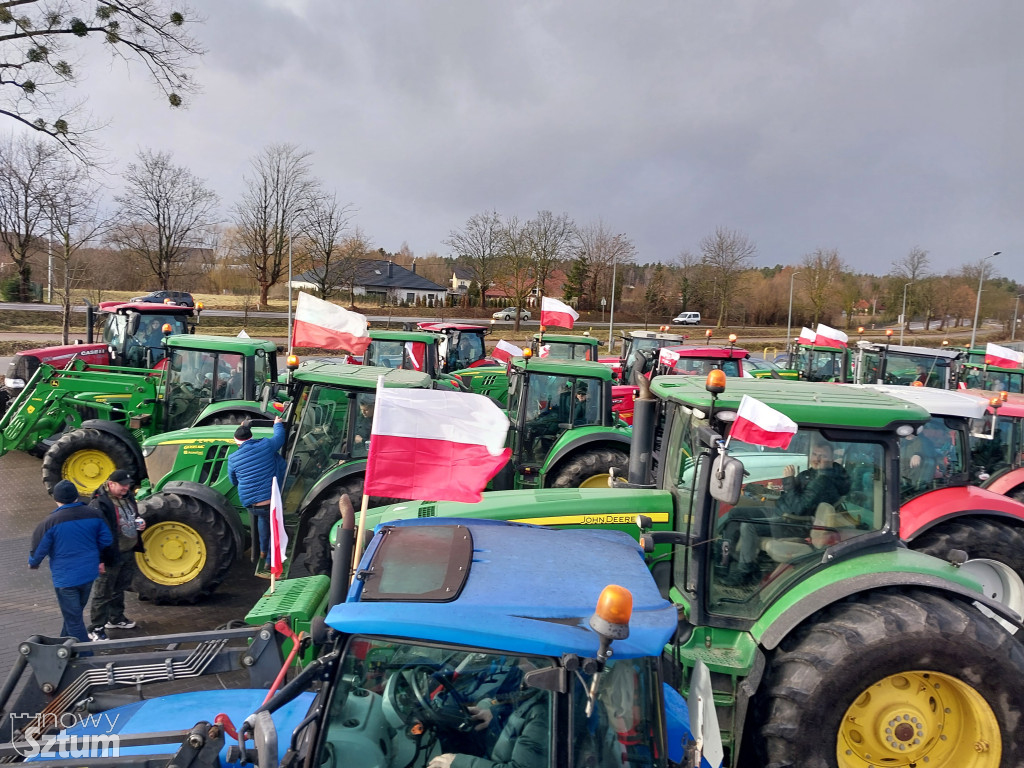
(189, 549)
(895, 679)
(316, 546)
(86, 457)
(590, 469)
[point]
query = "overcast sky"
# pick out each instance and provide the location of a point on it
(869, 127)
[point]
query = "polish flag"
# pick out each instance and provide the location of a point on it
(319, 323)
(760, 424)
(545, 350)
(1003, 357)
(554, 312)
(667, 357)
(807, 336)
(278, 535)
(410, 350)
(506, 350)
(434, 445)
(830, 337)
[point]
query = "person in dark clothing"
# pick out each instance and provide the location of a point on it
(253, 468)
(823, 481)
(77, 541)
(115, 501)
(364, 421)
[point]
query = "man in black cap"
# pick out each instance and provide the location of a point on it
(253, 468)
(115, 501)
(76, 540)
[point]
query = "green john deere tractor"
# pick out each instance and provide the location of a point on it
(829, 642)
(196, 526)
(90, 419)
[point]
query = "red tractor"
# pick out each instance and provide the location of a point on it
(997, 443)
(462, 346)
(126, 334)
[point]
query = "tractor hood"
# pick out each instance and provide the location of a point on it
(182, 711)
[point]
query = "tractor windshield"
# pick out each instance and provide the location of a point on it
(196, 378)
(386, 353)
(143, 346)
(466, 349)
(935, 458)
(415, 701)
(549, 405)
(996, 447)
(565, 350)
(695, 366)
(903, 368)
(817, 364)
(325, 434)
(795, 503)
(992, 379)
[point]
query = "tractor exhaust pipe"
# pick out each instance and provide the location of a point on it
(90, 318)
(341, 565)
(643, 435)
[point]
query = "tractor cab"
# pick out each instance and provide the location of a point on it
(204, 370)
(461, 345)
(820, 363)
(635, 344)
(564, 346)
(408, 350)
(974, 373)
(877, 363)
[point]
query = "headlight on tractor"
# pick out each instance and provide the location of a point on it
(159, 460)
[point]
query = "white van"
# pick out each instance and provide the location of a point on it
(687, 318)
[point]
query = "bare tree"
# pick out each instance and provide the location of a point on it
(278, 193)
(353, 251)
(35, 76)
(821, 274)
(165, 212)
(479, 245)
(907, 272)
(726, 253)
(27, 168)
(551, 239)
(602, 252)
(515, 274)
(322, 228)
(73, 211)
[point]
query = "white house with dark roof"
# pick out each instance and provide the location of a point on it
(383, 280)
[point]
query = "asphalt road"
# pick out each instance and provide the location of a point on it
(27, 602)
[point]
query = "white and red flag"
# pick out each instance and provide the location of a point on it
(415, 350)
(667, 357)
(1003, 357)
(807, 336)
(506, 350)
(545, 350)
(319, 323)
(434, 445)
(760, 424)
(278, 535)
(830, 337)
(554, 312)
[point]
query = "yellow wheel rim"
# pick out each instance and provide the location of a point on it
(175, 553)
(596, 481)
(919, 719)
(88, 468)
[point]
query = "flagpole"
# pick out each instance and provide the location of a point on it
(361, 529)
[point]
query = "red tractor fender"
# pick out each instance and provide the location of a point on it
(934, 507)
(1007, 481)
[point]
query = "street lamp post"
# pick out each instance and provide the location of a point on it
(903, 314)
(611, 311)
(289, 290)
(977, 304)
(1013, 330)
(789, 317)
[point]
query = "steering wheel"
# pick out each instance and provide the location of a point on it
(409, 693)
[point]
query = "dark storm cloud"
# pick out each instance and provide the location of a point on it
(870, 127)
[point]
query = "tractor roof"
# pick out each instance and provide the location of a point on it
(982, 366)
(711, 353)
(655, 335)
(807, 403)
(562, 367)
(424, 336)
(501, 585)
(144, 308)
(819, 348)
(232, 344)
(938, 402)
(945, 353)
(442, 327)
(359, 376)
(562, 338)
(1013, 407)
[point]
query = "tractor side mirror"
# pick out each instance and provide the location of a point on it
(726, 479)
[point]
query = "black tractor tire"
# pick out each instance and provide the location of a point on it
(189, 550)
(978, 537)
(887, 669)
(86, 456)
(590, 468)
(226, 417)
(1017, 494)
(316, 546)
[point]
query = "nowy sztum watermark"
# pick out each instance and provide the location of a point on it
(91, 736)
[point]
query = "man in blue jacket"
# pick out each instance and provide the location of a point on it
(253, 468)
(77, 540)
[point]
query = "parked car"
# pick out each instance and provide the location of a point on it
(181, 298)
(509, 313)
(687, 318)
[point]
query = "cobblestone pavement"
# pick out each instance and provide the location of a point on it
(27, 602)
